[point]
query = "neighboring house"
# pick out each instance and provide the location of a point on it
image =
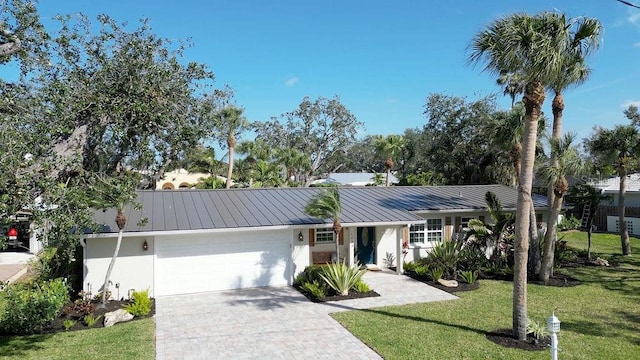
(354, 179)
(182, 179)
(205, 240)
(609, 209)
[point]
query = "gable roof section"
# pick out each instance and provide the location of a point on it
(188, 210)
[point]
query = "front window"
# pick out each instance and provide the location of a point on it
(433, 230)
(416, 234)
(325, 235)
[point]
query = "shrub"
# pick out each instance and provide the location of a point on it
(140, 304)
(91, 319)
(471, 259)
(341, 277)
(30, 307)
(422, 270)
(79, 308)
(436, 273)
(361, 287)
(409, 266)
(469, 277)
(315, 288)
(446, 256)
(68, 324)
(569, 223)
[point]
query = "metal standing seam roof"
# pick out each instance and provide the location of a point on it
(186, 210)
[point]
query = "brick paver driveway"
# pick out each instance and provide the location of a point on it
(272, 323)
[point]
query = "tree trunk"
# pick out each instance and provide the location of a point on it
(388, 174)
(534, 243)
(555, 204)
(230, 172)
(546, 267)
(624, 233)
(105, 287)
(533, 99)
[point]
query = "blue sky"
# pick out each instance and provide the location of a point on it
(383, 58)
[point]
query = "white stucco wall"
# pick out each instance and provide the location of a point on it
(133, 268)
(386, 239)
(300, 253)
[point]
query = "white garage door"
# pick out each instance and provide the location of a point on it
(190, 264)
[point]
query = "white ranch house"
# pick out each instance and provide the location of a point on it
(205, 240)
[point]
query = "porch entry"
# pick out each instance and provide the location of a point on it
(366, 245)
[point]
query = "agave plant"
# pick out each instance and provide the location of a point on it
(342, 277)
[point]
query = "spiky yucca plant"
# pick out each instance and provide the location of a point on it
(342, 277)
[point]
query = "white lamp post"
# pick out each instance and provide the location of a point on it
(553, 324)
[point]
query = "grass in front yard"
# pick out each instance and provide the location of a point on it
(600, 319)
(131, 340)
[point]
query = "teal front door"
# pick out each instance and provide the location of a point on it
(365, 245)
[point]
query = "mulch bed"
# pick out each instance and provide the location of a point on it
(58, 324)
(462, 286)
(334, 297)
(504, 337)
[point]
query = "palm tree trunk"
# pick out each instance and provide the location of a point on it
(107, 277)
(550, 240)
(388, 174)
(534, 243)
(533, 99)
(624, 233)
(230, 172)
(555, 205)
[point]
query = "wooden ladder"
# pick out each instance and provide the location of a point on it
(586, 213)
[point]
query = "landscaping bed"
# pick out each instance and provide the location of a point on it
(58, 325)
(335, 297)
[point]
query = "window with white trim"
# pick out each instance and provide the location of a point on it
(433, 230)
(325, 235)
(416, 234)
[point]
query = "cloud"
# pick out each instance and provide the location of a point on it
(292, 81)
(628, 103)
(637, 45)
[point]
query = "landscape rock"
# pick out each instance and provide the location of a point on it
(114, 317)
(448, 283)
(600, 262)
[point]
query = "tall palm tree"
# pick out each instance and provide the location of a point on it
(579, 37)
(294, 161)
(620, 146)
(390, 146)
(326, 205)
(520, 43)
(231, 123)
(567, 162)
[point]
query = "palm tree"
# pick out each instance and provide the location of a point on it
(254, 151)
(118, 192)
(326, 205)
(520, 44)
(490, 235)
(620, 146)
(378, 179)
(579, 38)
(231, 123)
(294, 161)
(266, 174)
(391, 147)
(567, 162)
(513, 85)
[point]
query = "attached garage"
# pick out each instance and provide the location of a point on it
(220, 261)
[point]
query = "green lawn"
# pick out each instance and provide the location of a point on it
(600, 319)
(131, 340)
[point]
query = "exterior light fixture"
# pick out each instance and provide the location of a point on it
(145, 245)
(300, 236)
(553, 325)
